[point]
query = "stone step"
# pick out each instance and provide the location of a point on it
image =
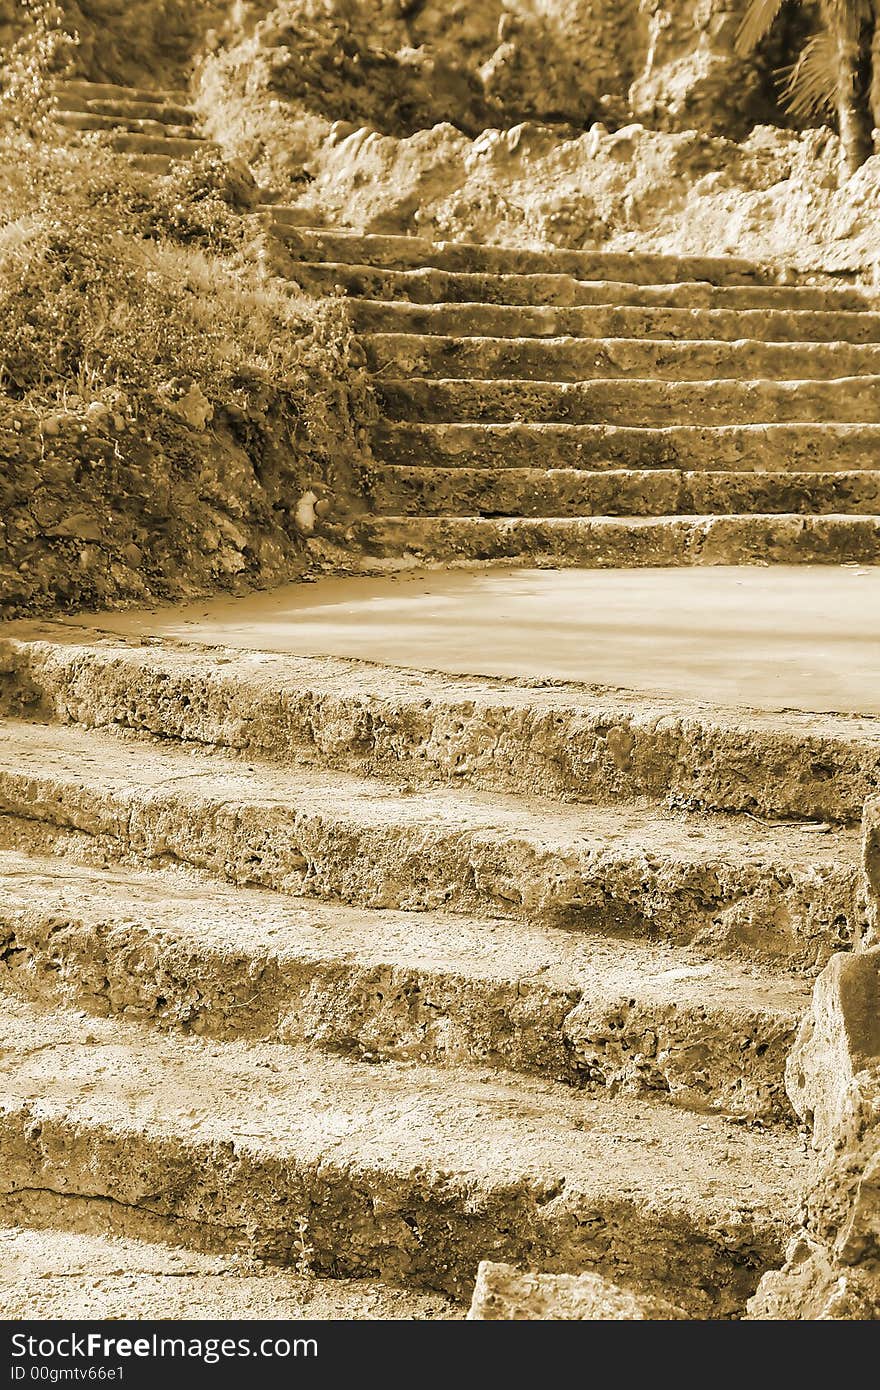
(111, 91)
(523, 321)
(560, 492)
(151, 163)
(612, 542)
(199, 957)
(635, 401)
(74, 120)
(417, 253)
(122, 110)
(581, 359)
(400, 1170)
(179, 147)
(563, 741)
(63, 1275)
(798, 448)
(636, 870)
(434, 287)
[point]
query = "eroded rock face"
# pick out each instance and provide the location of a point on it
(832, 1269)
(504, 1293)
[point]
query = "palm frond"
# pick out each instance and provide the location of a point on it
(757, 20)
(845, 16)
(809, 85)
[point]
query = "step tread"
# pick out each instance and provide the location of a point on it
(566, 291)
(476, 319)
(460, 1126)
(61, 648)
(128, 769)
(379, 249)
(211, 917)
(50, 1274)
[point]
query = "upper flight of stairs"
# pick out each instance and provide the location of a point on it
(380, 973)
(153, 127)
(570, 408)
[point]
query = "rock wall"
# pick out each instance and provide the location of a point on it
(401, 67)
(832, 1270)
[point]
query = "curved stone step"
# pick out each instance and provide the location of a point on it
(63, 1275)
(123, 110)
(111, 91)
(580, 359)
(626, 870)
(178, 147)
(234, 963)
(432, 491)
(754, 539)
(428, 287)
(416, 253)
(633, 401)
(73, 120)
(562, 741)
(608, 321)
(795, 448)
(399, 1170)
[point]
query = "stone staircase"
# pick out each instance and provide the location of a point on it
(371, 974)
(580, 408)
(153, 128)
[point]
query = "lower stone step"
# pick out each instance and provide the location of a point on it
(190, 954)
(112, 91)
(605, 541)
(633, 401)
(583, 359)
(61, 1275)
(123, 109)
(543, 321)
(804, 447)
(133, 125)
(561, 492)
(179, 147)
(393, 1170)
(429, 287)
(783, 890)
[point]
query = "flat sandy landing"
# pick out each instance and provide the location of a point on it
(786, 637)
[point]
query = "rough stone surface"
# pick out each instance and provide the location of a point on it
(181, 951)
(780, 891)
(503, 1293)
(561, 740)
(400, 1170)
(61, 1275)
(832, 1268)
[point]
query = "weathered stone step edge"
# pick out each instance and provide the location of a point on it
(785, 892)
(559, 739)
(792, 447)
(401, 1171)
(159, 144)
(111, 91)
(63, 1275)
(132, 125)
(609, 359)
(561, 492)
(406, 252)
(614, 542)
(226, 963)
(124, 110)
(429, 286)
(598, 322)
(632, 401)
